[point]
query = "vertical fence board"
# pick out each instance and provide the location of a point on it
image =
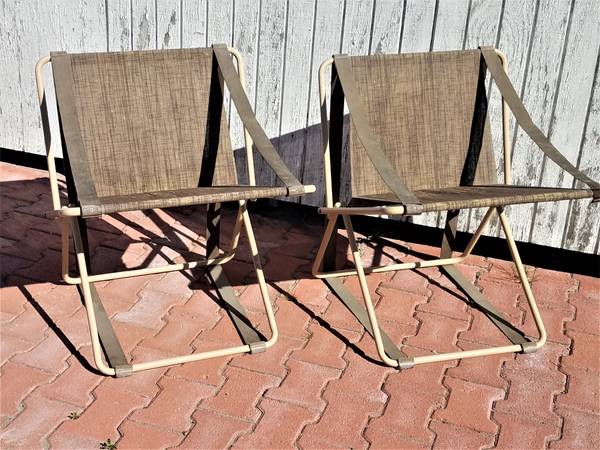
(294, 109)
(419, 16)
(168, 27)
(357, 27)
(584, 220)
(119, 25)
(539, 97)
(144, 24)
(327, 40)
(484, 22)
(283, 44)
(220, 21)
(515, 34)
(387, 25)
(419, 19)
(193, 26)
(450, 25)
(245, 38)
(569, 117)
(269, 78)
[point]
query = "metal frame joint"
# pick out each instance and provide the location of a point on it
(257, 347)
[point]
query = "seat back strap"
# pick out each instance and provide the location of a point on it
(261, 141)
(371, 144)
(522, 117)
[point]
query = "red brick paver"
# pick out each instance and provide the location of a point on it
(320, 386)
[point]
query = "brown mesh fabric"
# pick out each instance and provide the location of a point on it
(480, 196)
(428, 111)
(149, 121)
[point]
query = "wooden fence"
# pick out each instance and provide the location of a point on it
(553, 48)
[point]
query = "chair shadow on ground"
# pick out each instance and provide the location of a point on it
(26, 261)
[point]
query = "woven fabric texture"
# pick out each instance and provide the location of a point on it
(429, 112)
(151, 121)
(465, 197)
(183, 197)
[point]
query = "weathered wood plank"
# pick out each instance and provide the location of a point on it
(450, 25)
(168, 24)
(193, 27)
(294, 108)
(357, 27)
(144, 24)
(219, 22)
(269, 78)
(531, 33)
(583, 225)
(541, 85)
(419, 17)
(568, 120)
(483, 27)
(326, 41)
(517, 26)
(245, 38)
(119, 25)
(449, 34)
(80, 27)
(387, 26)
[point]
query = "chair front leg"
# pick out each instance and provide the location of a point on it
(530, 346)
(259, 275)
(364, 288)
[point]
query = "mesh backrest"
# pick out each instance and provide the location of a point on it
(149, 121)
(429, 112)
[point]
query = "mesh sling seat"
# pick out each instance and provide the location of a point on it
(148, 129)
(419, 140)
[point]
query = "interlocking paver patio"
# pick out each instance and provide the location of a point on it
(319, 386)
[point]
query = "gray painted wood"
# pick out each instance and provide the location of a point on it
(552, 46)
(483, 29)
(326, 41)
(295, 96)
(387, 26)
(541, 83)
(269, 77)
(418, 26)
(449, 34)
(515, 34)
(144, 24)
(193, 26)
(583, 223)
(245, 39)
(168, 24)
(569, 115)
(119, 26)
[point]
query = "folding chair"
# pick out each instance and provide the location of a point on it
(419, 141)
(143, 130)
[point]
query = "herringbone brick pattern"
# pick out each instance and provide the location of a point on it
(320, 386)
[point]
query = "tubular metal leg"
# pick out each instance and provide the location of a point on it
(103, 336)
(519, 342)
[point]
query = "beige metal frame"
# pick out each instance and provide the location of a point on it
(334, 211)
(68, 218)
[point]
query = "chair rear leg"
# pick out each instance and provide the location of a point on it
(530, 346)
(260, 277)
(98, 321)
(519, 343)
(403, 362)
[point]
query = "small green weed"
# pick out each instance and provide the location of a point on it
(108, 445)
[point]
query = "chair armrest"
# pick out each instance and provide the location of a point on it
(261, 141)
(394, 210)
(524, 120)
(370, 142)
